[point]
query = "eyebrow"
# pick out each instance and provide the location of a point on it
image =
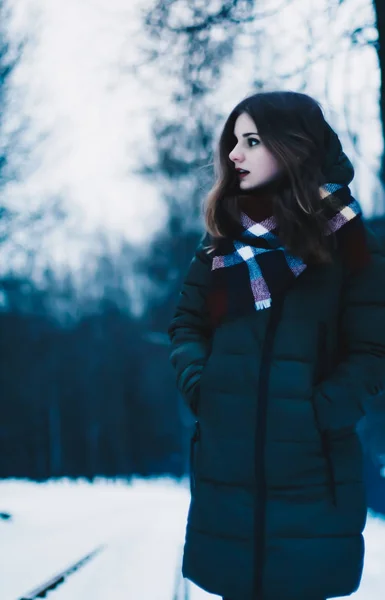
(247, 134)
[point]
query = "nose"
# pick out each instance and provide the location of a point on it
(236, 155)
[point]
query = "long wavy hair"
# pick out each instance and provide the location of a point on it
(292, 127)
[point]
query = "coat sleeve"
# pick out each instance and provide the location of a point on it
(357, 385)
(190, 330)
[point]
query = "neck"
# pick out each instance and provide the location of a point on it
(258, 203)
(257, 206)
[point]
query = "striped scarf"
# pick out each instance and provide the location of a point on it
(249, 271)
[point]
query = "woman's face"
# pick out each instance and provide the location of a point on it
(250, 154)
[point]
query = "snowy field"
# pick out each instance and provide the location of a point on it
(141, 526)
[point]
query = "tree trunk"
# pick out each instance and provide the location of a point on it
(379, 7)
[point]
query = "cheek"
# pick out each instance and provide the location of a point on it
(269, 164)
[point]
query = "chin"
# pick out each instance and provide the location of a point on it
(247, 182)
(250, 185)
(259, 185)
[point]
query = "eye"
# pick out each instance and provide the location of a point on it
(251, 140)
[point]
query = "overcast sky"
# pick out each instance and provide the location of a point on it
(94, 118)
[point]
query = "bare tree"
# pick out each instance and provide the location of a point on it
(22, 225)
(379, 8)
(7, 64)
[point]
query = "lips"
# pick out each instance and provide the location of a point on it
(242, 172)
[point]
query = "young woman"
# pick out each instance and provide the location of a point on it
(278, 342)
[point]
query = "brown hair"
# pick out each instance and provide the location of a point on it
(292, 127)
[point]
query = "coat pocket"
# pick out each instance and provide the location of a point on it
(326, 453)
(325, 443)
(194, 395)
(194, 439)
(321, 371)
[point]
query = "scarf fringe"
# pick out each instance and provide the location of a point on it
(261, 304)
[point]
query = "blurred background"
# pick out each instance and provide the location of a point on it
(109, 114)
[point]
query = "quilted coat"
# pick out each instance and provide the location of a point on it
(277, 498)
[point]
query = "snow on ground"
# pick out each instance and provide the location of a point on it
(141, 525)
(54, 524)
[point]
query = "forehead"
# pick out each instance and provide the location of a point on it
(244, 124)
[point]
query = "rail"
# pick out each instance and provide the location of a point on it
(56, 580)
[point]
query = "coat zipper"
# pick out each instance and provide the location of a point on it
(322, 348)
(325, 442)
(260, 439)
(194, 438)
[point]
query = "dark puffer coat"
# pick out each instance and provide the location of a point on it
(278, 504)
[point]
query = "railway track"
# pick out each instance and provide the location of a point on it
(181, 586)
(56, 580)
